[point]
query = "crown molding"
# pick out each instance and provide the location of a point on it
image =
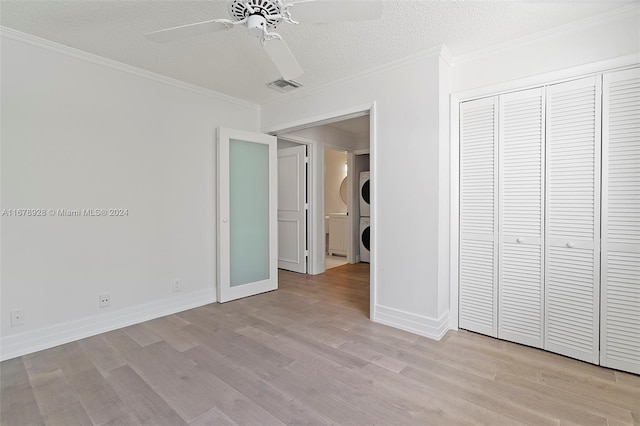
(582, 24)
(32, 40)
(446, 55)
(304, 92)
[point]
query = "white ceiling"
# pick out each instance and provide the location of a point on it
(354, 126)
(234, 63)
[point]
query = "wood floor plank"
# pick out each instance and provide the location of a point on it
(102, 404)
(128, 419)
(300, 346)
(172, 376)
(228, 344)
(595, 388)
(523, 397)
(142, 335)
(121, 342)
(481, 397)
(255, 388)
(306, 354)
(13, 373)
(170, 330)
(367, 353)
(628, 379)
(213, 417)
(103, 356)
(408, 353)
(72, 414)
(439, 405)
(363, 395)
(18, 406)
(53, 392)
(515, 354)
(148, 407)
(314, 399)
(613, 413)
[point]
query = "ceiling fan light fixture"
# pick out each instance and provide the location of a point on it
(283, 85)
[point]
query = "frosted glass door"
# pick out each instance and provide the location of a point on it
(247, 236)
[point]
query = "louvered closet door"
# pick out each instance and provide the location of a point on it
(478, 216)
(620, 319)
(521, 164)
(572, 216)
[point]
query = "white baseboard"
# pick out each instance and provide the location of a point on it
(47, 337)
(424, 326)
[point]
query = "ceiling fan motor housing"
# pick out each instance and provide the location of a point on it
(256, 25)
(241, 9)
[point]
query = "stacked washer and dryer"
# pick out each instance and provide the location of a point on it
(365, 209)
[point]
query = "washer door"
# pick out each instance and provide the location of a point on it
(364, 192)
(365, 238)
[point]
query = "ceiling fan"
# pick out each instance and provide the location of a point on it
(262, 16)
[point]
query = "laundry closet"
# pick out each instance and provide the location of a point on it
(550, 218)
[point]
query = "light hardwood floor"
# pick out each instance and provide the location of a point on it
(305, 354)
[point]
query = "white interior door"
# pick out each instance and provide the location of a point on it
(620, 295)
(479, 216)
(572, 255)
(292, 209)
(247, 209)
(521, 219)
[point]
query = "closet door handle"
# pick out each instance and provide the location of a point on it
(570, 244)
(519, 240)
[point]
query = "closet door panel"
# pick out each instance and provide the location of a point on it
(573, 219)
(521, 217)
(478, 216)
(620, 319)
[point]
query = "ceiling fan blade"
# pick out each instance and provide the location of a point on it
(283, 59)
(190, 30)
(322, 11)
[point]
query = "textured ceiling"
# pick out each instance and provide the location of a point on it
(234, 63)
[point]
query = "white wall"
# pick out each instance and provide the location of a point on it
(405, 183)
(75, 135)
(608, 36)
(334, 173)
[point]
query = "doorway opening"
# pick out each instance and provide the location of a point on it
(313, 132)
(341, 160)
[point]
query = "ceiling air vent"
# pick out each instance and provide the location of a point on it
(284, 85)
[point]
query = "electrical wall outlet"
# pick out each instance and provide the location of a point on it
(177, 285)
(17, 317)
(105, 300)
